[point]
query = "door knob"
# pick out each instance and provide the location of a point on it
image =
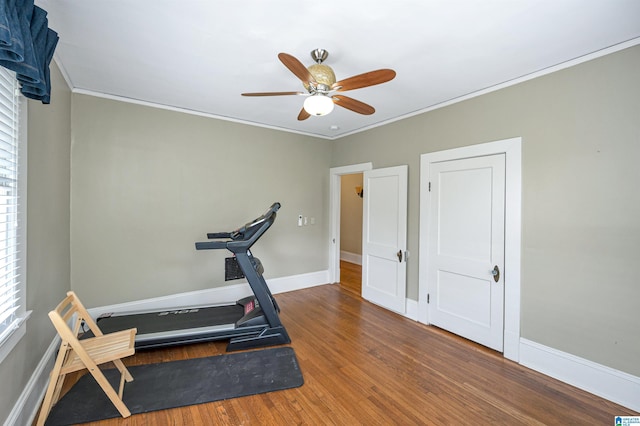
(496, 273)
(399, 254)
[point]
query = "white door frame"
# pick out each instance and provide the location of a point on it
(334, 214)
(512, 148)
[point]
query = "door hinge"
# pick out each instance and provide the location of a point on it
(427, 298)
(429, 186)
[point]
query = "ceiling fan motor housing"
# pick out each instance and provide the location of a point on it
(323, 75)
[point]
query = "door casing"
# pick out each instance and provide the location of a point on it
(334, 214)
(512, 148)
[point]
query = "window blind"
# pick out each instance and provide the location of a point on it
(10, 294)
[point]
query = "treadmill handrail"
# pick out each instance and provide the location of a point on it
(211, 245)
(218, 235)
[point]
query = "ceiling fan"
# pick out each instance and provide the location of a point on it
(323, 91)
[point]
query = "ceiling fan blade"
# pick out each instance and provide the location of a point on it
(296, 67)
(353, 105)
(273, 93)
(367, 79)
(303, 115)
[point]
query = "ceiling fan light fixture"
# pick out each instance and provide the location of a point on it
(318, 104)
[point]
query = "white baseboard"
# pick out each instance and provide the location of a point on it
(26, 408)
(351, 257)
(298, 282)
(216, 295)
(614, 385)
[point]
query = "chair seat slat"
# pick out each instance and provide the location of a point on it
(102, 349)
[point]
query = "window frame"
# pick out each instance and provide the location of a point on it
(20, 324)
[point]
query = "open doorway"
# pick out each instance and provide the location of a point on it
(335, 195)
(383, 271)
(351, 199)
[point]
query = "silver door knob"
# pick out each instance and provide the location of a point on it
(496, 273)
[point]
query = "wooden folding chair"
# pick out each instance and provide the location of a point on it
(75, 354)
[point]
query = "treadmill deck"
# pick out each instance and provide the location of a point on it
(173, 320)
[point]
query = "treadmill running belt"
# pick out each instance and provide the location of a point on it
(157, 322)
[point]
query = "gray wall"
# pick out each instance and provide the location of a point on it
(148, 183)
(581, 202)
(47, 235)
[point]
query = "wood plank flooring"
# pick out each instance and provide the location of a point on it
(351, 277)
(364, 365)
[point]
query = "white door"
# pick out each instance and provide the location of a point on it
(466, 248)
(384, 237)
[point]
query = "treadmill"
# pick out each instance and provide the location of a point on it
(248, 323)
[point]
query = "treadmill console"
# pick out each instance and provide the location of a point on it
(240, 233)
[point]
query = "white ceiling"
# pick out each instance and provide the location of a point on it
(199, 56)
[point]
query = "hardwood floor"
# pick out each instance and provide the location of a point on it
(365, 365)
(351, 277)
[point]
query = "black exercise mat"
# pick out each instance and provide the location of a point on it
(180, 383)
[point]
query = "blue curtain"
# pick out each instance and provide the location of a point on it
(26, 46)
